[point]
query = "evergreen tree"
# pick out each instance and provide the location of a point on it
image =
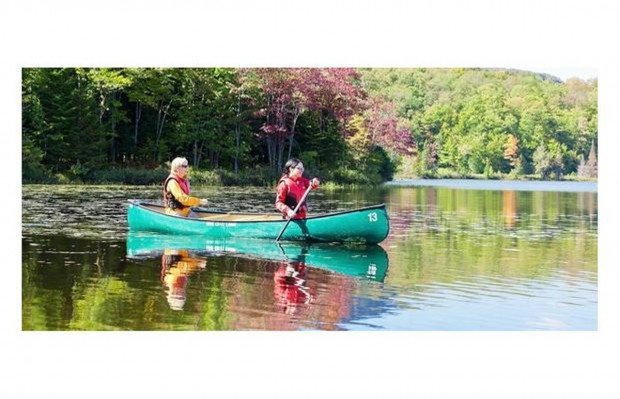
(70, 112)
(33, 127)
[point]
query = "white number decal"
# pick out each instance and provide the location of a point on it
(372, 217)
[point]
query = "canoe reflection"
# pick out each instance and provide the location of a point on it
(182, 256)
(364, 261)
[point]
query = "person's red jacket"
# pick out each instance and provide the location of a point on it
(289, 194)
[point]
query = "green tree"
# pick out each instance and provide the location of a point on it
(157, 89)
(33, 127)
(109, 84)
(69, 108)
(548, 162)
(203, 122)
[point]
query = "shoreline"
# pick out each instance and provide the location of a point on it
(462, 183)
(494, 184)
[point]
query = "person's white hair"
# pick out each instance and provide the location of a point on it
(176, 162)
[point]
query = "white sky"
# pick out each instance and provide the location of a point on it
(566, 73)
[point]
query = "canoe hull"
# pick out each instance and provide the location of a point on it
(366, 225)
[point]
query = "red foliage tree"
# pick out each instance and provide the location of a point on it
(385, 128)
(289, 92)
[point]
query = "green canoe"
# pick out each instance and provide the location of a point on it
(365, 225)
(364, 261)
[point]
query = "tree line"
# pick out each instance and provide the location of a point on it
(347, 124)
(487, 121)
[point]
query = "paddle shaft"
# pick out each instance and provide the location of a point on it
(294, 212)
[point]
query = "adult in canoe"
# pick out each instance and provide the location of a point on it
(291, 188)
(177, 200)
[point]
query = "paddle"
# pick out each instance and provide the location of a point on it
(294, 212)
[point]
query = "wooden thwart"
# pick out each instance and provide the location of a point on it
(228, 217)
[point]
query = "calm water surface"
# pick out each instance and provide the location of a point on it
(456, 259)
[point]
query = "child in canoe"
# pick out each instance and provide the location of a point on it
(291, 188)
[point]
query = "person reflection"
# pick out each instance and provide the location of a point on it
(290, 289)
(176, 265)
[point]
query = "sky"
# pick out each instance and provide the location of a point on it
(566, 73)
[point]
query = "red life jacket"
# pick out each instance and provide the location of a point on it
(169, 200)
(293, 191)
(290, 289)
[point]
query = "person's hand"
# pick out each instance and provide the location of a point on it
(290, 213)
(204, 202)
(315, 182)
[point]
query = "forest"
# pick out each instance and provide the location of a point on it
(348, 125)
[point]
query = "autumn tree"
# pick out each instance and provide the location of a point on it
(290, 92)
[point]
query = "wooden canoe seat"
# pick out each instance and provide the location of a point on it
(227, 217)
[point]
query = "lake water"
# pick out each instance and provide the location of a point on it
(460, 257)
